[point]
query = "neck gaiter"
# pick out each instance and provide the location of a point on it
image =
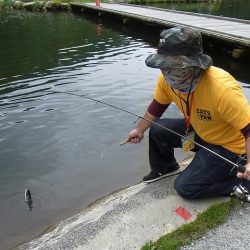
(181, 79)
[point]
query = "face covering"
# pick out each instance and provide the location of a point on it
(181, 79)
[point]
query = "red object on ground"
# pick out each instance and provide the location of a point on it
(185, 215)
(97, 3)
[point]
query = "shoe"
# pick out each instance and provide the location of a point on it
(154, 175)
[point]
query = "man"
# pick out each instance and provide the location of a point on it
(216, 116)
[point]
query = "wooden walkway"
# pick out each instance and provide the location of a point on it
(235, 31)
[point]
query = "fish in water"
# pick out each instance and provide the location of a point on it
(28, 198)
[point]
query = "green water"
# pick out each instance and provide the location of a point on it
(227, 8)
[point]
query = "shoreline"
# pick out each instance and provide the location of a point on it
(115, 220)
(37, 6)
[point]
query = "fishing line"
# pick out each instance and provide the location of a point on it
(115, 146)
(239, 191)
(239, 167)
(108, 149)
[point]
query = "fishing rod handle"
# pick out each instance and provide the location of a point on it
(241, 168)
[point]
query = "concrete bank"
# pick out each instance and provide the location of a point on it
(125, 219)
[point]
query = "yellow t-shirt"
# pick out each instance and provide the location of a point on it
(219, 108)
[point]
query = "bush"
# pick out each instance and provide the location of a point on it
(5, 3)
(18, 5)
(38, 6)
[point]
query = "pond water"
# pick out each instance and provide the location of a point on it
(64, 148)
(228, 8)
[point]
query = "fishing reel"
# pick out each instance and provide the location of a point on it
(241, 193)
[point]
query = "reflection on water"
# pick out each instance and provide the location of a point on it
(63, 148)
(228, 8)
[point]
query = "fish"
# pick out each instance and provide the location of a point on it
(28, 199)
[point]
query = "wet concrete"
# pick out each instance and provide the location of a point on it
(125, 219)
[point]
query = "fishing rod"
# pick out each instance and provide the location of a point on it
(239, 167)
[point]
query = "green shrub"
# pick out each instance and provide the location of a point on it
(5, 3)
(18, 5)
(61, 1)
(38, 6)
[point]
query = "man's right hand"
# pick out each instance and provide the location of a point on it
(134, 136)
(137, 134)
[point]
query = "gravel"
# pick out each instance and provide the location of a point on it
(232, 235)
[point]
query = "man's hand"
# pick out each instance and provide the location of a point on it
(137, 134)
(134, 136)
(246, 174)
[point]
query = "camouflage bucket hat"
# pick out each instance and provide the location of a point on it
(179, 47)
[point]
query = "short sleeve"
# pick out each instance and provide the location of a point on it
(161, 91)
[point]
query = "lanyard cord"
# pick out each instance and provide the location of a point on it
(185, 101)
(188, 107)
(188, 117)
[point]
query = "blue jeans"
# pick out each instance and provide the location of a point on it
(206, 176)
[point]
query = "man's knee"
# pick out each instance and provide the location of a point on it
(183, 188)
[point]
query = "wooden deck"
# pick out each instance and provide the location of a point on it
(232, 30)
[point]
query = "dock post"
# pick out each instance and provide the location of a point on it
(97, 3)
(125, 20)
(239, 53)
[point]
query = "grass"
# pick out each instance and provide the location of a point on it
(5, 3)
(187, 233)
